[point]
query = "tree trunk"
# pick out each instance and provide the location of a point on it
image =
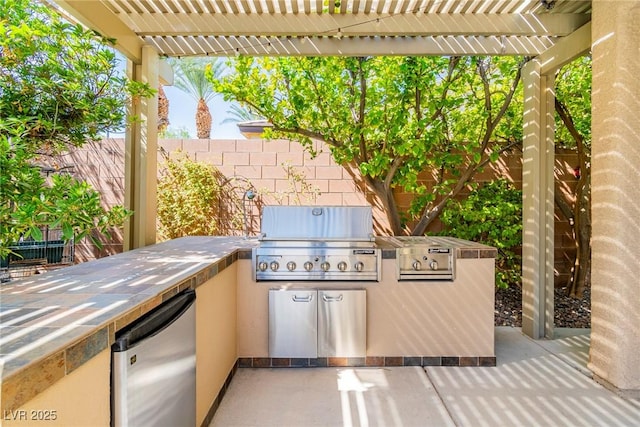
(163, 110)
(203, 120)
(581, 210)
(582, 214)
(389, 205)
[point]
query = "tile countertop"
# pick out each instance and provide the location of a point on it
(51, 324)
(464, 248)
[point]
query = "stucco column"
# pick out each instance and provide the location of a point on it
(615, 269)
(141, 158)
(537, 202)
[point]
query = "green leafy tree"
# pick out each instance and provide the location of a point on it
(492, 214)
(573, 124)
(190, 78)
(163, 111)
(176, 133)
(59, 88)
(394, 118)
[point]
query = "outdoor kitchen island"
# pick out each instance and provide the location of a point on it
(57, 356)
(409, 322)
(328, 292)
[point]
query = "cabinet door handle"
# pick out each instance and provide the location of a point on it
(331, 299)
(307, 298)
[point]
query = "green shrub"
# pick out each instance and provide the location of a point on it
(492, 215)
(188, 198)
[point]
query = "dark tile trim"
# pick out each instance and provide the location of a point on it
(374, 361)
(388, 254)
(432, 361)
(468, 253)
(450, 361)
(280, 362)
(486, 361)
(320, 362)
(393, 361)
(244, 362)
(345, 361)
(79, 353)
(468, 361)
(216, 402)
(412, 361)
(488, 253)
(369, 361)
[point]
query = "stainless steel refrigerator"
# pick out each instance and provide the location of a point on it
(154, 367)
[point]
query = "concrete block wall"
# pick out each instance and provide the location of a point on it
(263, 164)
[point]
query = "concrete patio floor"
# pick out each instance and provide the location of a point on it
(535, 383)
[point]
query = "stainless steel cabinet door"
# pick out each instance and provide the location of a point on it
(293, 323)
(342, 323)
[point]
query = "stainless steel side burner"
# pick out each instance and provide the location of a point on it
(424, 258)
(316, 243)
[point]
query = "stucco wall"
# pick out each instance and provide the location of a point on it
(215, 338)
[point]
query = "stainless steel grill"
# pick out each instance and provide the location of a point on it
(424, 258)
(316, 243)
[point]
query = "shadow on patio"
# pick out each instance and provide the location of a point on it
(535, 383)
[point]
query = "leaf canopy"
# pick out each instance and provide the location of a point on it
(396, 118)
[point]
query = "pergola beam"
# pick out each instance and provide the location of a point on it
(353, 25)
(566, 50)
(354, 46)
(98, 17)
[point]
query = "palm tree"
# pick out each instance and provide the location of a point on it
(190, 78)
(240, 114)
(163, 110)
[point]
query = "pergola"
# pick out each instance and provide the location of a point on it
(552, 32)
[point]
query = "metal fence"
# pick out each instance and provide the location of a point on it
(29, 255)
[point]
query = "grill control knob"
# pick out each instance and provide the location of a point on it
(274, 265)
(359, 266)
(417, 265)
(262, 266)
(308, 266)
(342, 266)
(291, 265)
(433, 265)
(325, 266)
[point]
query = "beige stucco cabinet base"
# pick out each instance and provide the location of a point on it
(404, 319)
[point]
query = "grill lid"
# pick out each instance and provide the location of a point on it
(325, 223)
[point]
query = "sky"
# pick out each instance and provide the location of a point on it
(182, 112)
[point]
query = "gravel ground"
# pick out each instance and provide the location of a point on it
(569, 312)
